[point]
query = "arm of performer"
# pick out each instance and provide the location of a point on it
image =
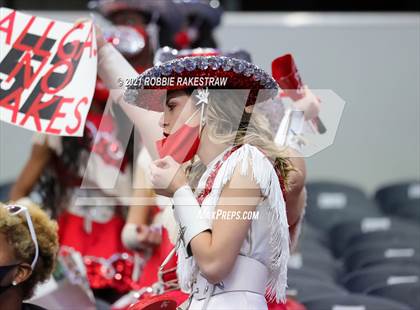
(138, 233)
(309, 104)
(209, 244)
(296, 195)
(112, 66)
(39, 157)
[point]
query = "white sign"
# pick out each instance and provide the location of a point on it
(47, 73)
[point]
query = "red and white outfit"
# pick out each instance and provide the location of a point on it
(94, 231)
(273, 110)
(260, 269)
(264, 256)
(262, 262)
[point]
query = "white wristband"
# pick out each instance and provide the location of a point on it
(187, 212)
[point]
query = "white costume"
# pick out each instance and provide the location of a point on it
(261, 266)
(267, 242)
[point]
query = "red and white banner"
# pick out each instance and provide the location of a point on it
(47, 73)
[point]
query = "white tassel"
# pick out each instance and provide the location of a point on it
(185, 270)
(266, 177)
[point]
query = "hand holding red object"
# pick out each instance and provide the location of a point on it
(286, 74)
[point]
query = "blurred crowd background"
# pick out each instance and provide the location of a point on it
(246, 5)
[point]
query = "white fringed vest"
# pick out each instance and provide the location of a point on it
(268, 237)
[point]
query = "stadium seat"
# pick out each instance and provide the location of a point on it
(391, 196)
(330, 203)
(362, 280)
(311, 233)
(310, 274)
(329, 267)
(352, 192)
(388, 236)
(354, 301)
(378, 254)
(404, 261)
(304, 290)
(343, 232)
(307, 249)
(368, 244)
(408, 293)
(409, 210)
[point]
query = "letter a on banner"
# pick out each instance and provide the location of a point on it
(47, 68)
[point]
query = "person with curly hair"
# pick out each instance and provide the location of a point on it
(29, 247)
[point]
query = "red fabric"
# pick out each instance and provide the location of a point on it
(178, 297)
(154, 211)
(213, 174)
(150, 270)
(182, 145)
(140, 69)
(103, 242)
(101, 92)
(107, 148)
(168, 300)
(290, 304)
(276, 306)
(105, 121)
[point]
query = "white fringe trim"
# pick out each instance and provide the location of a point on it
(186, 269)
(265, 176)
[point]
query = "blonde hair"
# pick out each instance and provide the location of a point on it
(228, 122)
(16, 230)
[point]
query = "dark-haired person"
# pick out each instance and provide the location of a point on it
(28, 251)
(202, 17)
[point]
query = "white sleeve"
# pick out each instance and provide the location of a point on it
(112, 67)
(264, 174)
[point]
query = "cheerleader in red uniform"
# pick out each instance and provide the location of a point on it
(53, 176)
